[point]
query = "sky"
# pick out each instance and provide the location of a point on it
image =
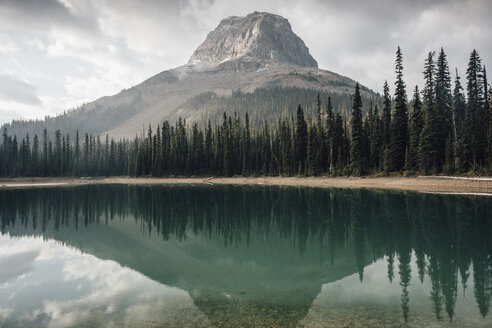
(56, 55)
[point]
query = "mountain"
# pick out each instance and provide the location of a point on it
(243, 55)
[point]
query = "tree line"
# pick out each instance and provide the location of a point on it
(438, 131)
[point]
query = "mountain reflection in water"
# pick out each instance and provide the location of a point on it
(270, 256)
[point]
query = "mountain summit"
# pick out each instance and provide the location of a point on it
(258, 36)
(253, 64)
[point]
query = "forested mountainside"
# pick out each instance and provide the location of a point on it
(265, 105)
(262, 105)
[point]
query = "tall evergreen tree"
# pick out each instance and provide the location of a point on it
(428, 153)
(416, 124)
(45, 162)
(357, 161)
(486, 117)
(35, 157)
(489, 152)
(386, 115)
(246, 146)
(487, 121)
(459, 108)
(209, 148)
(443, 106)
(399, 123)
(376, 139)
(301, 140)
(312, 164)
(338, 143)
(474, 138)
(459, 105)
(330, 135)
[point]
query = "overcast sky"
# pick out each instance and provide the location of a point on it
(58, 54)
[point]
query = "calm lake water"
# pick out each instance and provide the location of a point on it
(243, 256)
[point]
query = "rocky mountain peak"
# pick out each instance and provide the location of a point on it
(257, 37)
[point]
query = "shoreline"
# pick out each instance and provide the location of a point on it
(434, 184)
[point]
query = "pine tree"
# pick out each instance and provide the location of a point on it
(330, 135)
(301, 140)
(157, 164)
(14, 156)
(68, 155)
(489, 151)
(486, 120)
(311, 151)
(443, 106)
(474, 136)
(428, 153)
(416, 124)
(376, 139)
(246, 146)
(459, 105)
(338, 143)
(459, 108)
(3, 153)
(356, 147)
(386, 115)
(399, 123)
(321, 148)
(209, 156)
(50, 159)
(106, 165)
(266, 153)
(486, 117)
(45, 162)
(166, 148)
(236, 145)
(227, 142)
(286, 148)
(35, 157)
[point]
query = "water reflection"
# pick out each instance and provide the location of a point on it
(262, 256)
(57, 286)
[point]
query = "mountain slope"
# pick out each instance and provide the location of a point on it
(241, 54)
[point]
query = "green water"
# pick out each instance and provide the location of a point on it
(230, 256)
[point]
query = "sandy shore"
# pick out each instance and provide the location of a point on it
(424, 184)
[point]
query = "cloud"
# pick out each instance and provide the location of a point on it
(14, 89)
(65, 287)
(121, 43)
(16, 265)
(34, 15)
(7, 45)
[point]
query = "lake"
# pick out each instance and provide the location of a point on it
(243, 256)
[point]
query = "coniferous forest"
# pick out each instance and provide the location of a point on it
(445, 128)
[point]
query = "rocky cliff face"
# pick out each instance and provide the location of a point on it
(257, 37)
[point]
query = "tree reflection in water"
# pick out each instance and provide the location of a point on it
(449, 235)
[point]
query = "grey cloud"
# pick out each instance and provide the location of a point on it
(17, 90)
(16, 265)
(41, 15)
